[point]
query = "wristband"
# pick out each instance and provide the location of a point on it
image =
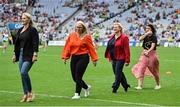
(145, 34)
(35, 54)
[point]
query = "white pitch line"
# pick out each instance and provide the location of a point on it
(92, 99)
(170, 60)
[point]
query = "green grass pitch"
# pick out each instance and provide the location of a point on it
(53, 85)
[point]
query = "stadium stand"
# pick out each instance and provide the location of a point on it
(57, 17)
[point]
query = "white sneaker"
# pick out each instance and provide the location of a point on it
(86, 91)
(157, 87)
(138, 88)
(76, 96)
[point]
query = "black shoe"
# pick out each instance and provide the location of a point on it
(126, 89)
(114, 90)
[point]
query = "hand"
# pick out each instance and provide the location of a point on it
(94, 63)
(146, 53)
(65, 60)
(34, 58)
(14, 59)
(126, 64)
(148, 33)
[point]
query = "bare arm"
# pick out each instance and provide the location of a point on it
(152, 47)
(142, 37)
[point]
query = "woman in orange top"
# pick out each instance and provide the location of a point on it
(78, 46)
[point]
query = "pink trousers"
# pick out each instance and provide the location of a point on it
(147, 65)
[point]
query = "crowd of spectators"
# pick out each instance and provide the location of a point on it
(160, 13)
(97, 11)
(166, 22)
(93, 13)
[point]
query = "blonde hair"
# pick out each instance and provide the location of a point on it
(29, 16)
(85, 29)
(120, 25)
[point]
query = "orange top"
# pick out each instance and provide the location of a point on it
(78, 46)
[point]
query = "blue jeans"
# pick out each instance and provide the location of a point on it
(120, 78)
(24, 67)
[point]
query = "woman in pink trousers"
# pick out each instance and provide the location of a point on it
(148, 62)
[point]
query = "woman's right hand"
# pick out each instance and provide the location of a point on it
(14, 59)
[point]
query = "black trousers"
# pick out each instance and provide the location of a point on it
(78, 65)
(119, 75)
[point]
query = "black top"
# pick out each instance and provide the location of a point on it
(29, 41)
(22, 38)
(111, 46)
(148, 41)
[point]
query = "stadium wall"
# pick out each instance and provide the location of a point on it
(131, 43)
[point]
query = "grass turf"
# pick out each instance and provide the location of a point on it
(53, 85)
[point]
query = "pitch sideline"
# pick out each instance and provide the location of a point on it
(100, 100)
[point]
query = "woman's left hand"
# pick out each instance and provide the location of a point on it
(126, 64)
(146, 53)
(34, 58)
(94, 63)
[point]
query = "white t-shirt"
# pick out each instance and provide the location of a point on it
(44, 37)
(5, 37)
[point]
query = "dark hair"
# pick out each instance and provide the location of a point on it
(153, 29)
